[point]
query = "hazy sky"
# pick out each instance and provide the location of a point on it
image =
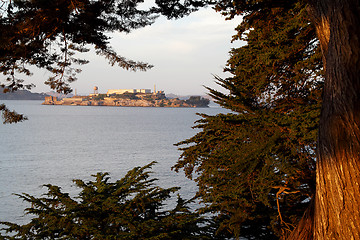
(186, 53)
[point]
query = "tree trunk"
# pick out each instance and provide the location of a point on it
(337, 200)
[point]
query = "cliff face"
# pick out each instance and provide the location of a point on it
(121, 102)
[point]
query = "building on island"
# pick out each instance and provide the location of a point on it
(51, 100)
(113, 97)
(122, 91)
(147, 91)
(74, 100)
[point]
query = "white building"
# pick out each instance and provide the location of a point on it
(122, 91)
(143, 90)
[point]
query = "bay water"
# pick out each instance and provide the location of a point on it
(61, 143)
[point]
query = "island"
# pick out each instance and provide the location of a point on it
(128, 98)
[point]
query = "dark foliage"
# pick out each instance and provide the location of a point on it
(47, 34)
(129, 208)
(52, 35)
(255, 166)
(198, 101)
(9, 116)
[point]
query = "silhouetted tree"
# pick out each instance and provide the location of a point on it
(335, 214)
(129, 208)
(48, 34)
(9, 116)
(255, 167)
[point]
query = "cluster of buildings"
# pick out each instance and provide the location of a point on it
(113, 97)
(111, 92)
(126, 98)
(122, 91)
(141, 93)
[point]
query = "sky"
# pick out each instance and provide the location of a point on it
(186, 54)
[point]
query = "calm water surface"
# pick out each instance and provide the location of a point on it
(60, 143)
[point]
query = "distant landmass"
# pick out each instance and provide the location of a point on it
(21, 95)
(27, 95)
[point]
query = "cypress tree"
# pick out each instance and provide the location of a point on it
(255, 166)
(130, 208)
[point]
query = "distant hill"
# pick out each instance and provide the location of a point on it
(21, 95)
(27, 95)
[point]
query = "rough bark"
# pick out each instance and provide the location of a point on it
(305, 228)
(337, 200)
